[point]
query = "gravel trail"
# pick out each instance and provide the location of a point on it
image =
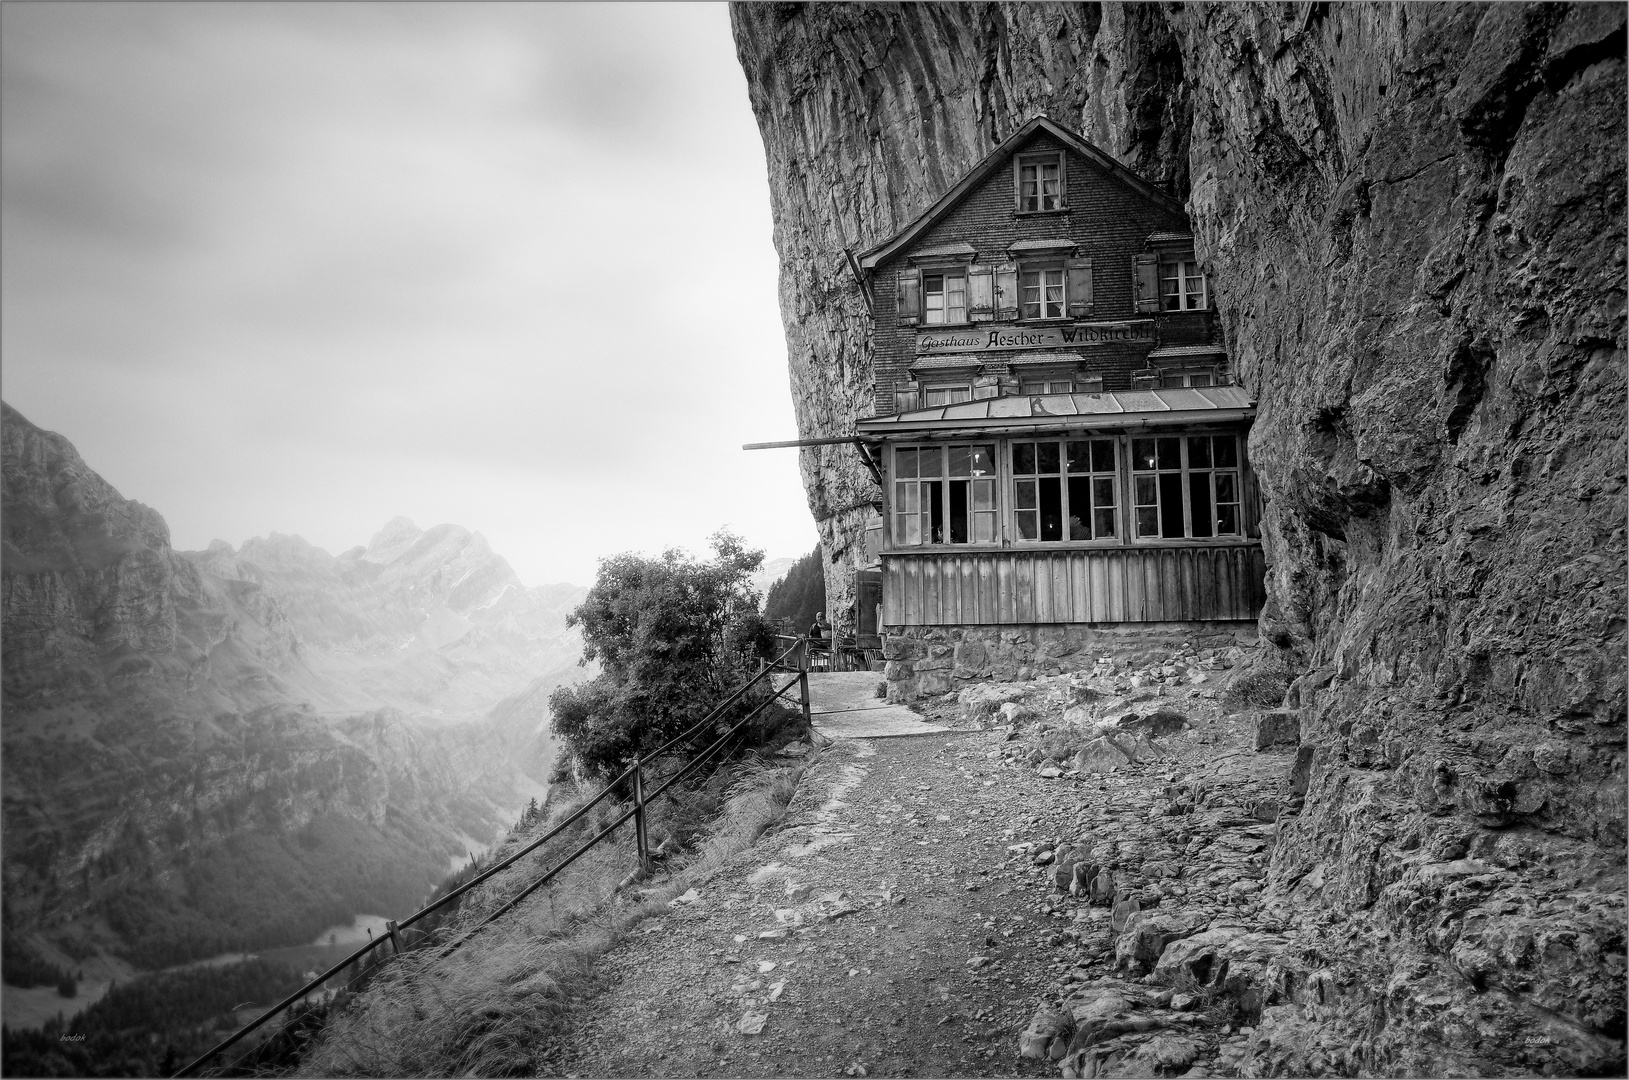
(883, 882)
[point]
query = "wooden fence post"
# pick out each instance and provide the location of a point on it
(641, 840)
(395, 937)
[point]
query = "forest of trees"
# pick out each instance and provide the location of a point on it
(799, 594)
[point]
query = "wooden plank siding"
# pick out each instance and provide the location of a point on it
(1163, 584)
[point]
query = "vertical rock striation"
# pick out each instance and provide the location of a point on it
(1414, 219)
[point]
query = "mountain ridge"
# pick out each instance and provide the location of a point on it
(237, 747)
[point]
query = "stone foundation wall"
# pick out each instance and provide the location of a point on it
(924, 661)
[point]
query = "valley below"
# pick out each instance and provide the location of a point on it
(238, 750)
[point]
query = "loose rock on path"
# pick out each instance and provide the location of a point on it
(931, 904)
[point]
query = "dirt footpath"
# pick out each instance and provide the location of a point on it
(873, 930)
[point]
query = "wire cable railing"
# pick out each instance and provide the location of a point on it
(793, 661)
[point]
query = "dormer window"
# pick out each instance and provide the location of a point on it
(944, 298)
(1040, 182)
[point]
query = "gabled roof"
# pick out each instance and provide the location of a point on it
(995, 160)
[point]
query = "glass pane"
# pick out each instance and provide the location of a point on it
(934, 285)
(1032, 388)
(1103, 491)
(958, 511)
(907, 498)
(1148, 521)
(1171, 523)
(1199, 502)
(1200, 378)
(1227, 487)
(1046, 457)
(1146, 489)
(1080, 456)
(1080, 508)
(1102, 455)
(1026, 524)
(1023, 458)
(1170, 455)
(984, 495)
(984, 528)
(984, 460)
(1227, 521)
(904, 464)
(959, 461)
(1142, 454)
(1051, 507)
(1199, 452)
(908, 529)
(1025, 491)
(929, 461)
(1227, 452)
(1103, 522)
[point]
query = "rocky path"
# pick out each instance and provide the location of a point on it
(934, 905)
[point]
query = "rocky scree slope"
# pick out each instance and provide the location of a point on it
(1413, 219)
(210, 750)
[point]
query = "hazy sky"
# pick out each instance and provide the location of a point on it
(306, 267)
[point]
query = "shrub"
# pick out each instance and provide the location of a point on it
(673, 636)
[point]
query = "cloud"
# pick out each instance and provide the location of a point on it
(294, 266)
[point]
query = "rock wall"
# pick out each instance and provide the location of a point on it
(924, 661)
(1413, 216)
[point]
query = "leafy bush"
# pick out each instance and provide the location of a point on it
(673, 636)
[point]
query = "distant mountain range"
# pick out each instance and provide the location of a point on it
(210, 750)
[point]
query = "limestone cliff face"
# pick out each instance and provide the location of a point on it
(1414, 220)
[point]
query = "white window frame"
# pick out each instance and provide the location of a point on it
(946, 394)
(944, 297)
(1177, 277)
(1222, 485)
(914, 495)
(1039, 200)
(1096, 472)
(1051, 384)
(1045, 307)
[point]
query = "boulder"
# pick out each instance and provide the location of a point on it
(1146, 935)
(1281, 727)
(1224, 961)
(1157, 723)
(1101, 755)
(1101, 888)
(1047, 1037)
(1063, 867)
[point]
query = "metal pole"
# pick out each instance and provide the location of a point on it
(640, 838)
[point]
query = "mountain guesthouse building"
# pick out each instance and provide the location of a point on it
(1058, 433)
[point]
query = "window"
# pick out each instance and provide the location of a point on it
(944, 298)
(1064, 489)
(1182, 286)
(1047, 386)
(1186, 486)
(1042, 294)
(944, 495)
(946, 394)
(1040, 182)
(1204, 376)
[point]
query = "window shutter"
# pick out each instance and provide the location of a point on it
(1147, 282)
(1006, 291)
(908, 298)
(1079, 292)
(980, 293)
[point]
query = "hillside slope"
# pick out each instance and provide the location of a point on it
(223, 749)
(1413, 218)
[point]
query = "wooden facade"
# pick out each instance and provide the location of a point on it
(1011, 588)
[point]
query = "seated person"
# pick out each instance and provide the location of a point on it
(820, 632)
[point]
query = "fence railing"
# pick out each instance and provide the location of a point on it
(794, 661)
